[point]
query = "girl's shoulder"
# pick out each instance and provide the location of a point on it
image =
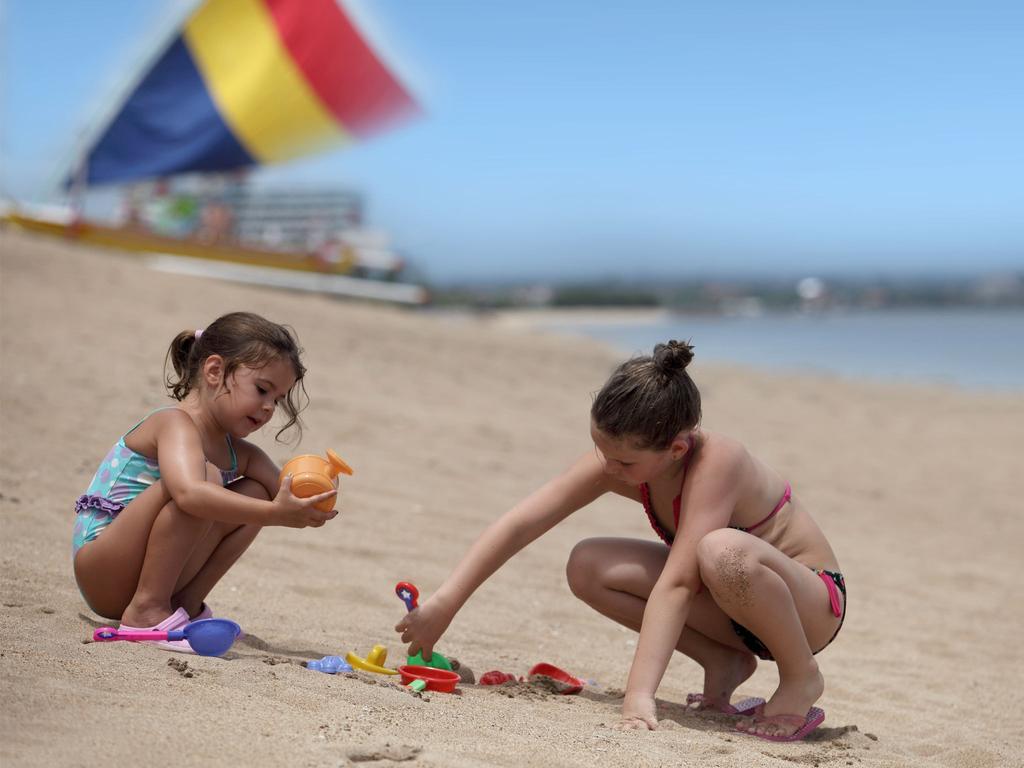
(719, 453)
(160, 418)
(155, 427)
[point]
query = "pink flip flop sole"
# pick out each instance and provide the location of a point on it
(815, 717)
(741, 707)
(176, 620)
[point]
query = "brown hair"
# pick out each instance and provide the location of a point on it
(241, 338)
(650, 399)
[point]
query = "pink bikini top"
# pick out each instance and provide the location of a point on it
(645, 496)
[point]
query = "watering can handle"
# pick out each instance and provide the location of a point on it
(408, 594)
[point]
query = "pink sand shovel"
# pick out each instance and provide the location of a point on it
(207, 637)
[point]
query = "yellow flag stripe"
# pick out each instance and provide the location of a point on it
(261, 93)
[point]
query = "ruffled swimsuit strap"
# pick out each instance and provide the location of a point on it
(645, 497)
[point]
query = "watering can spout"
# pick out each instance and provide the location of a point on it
(337, 464)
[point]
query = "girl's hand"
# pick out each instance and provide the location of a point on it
(423, 626)
(639, 713)
(293, 512)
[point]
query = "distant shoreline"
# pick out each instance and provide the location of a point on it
(897, 344)
(546, 317)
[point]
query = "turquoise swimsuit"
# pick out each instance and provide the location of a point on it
(122, 476)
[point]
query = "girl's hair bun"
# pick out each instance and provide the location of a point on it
(672, 357)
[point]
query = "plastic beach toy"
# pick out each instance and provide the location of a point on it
(409, 595)
(497, 677)
(207, 637)
(374, 661)
(314, 474)
(564, 683)
(330, 665)
(440, 680)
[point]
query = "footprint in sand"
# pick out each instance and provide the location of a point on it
(181, 667)
(275, 660)
(395, 754)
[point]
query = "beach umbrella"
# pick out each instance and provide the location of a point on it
(243, 83)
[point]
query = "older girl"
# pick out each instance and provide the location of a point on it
(742, 571)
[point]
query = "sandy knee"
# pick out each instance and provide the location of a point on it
(726, 565)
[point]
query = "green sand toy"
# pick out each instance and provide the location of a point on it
(410, 596)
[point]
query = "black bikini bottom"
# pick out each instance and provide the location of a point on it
(759, 649)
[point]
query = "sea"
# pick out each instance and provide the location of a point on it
(974, 349)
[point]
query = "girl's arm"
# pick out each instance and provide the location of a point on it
(579, 485)
(708, 504)
(254, 463)
(182, 462)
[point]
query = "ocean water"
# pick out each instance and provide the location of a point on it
(971, 349)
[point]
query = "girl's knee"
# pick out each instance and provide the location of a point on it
(249, 487)
(714, 544)
(725, 559)
(582, 565)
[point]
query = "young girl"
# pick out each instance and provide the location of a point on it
(743, 573)
(181, 495)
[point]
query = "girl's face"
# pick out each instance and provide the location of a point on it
(251, 395)
(631, 465)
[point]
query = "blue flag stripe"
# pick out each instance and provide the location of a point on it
(168, 124)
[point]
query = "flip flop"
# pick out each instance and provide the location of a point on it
(176, 620)
(741, 707)
(813, 719)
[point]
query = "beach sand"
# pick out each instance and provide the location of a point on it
(448, 423)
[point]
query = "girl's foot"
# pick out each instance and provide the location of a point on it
(697, 703)
(142, 615)
(722, 676)
(787, 710)
(176, 620)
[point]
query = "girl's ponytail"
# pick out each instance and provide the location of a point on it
(183, 359)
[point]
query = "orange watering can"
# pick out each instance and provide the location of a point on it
(315, 474)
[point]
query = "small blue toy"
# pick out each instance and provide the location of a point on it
(330, 665)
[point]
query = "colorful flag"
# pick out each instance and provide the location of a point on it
(249, 82)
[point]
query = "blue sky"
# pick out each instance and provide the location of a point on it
(639, 138)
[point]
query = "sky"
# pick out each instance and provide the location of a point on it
(638, 139)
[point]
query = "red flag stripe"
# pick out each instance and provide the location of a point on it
(341, 68)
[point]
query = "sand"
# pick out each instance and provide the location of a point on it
(447, 423)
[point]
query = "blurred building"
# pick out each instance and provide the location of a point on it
(292, 219)
(324, 224)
